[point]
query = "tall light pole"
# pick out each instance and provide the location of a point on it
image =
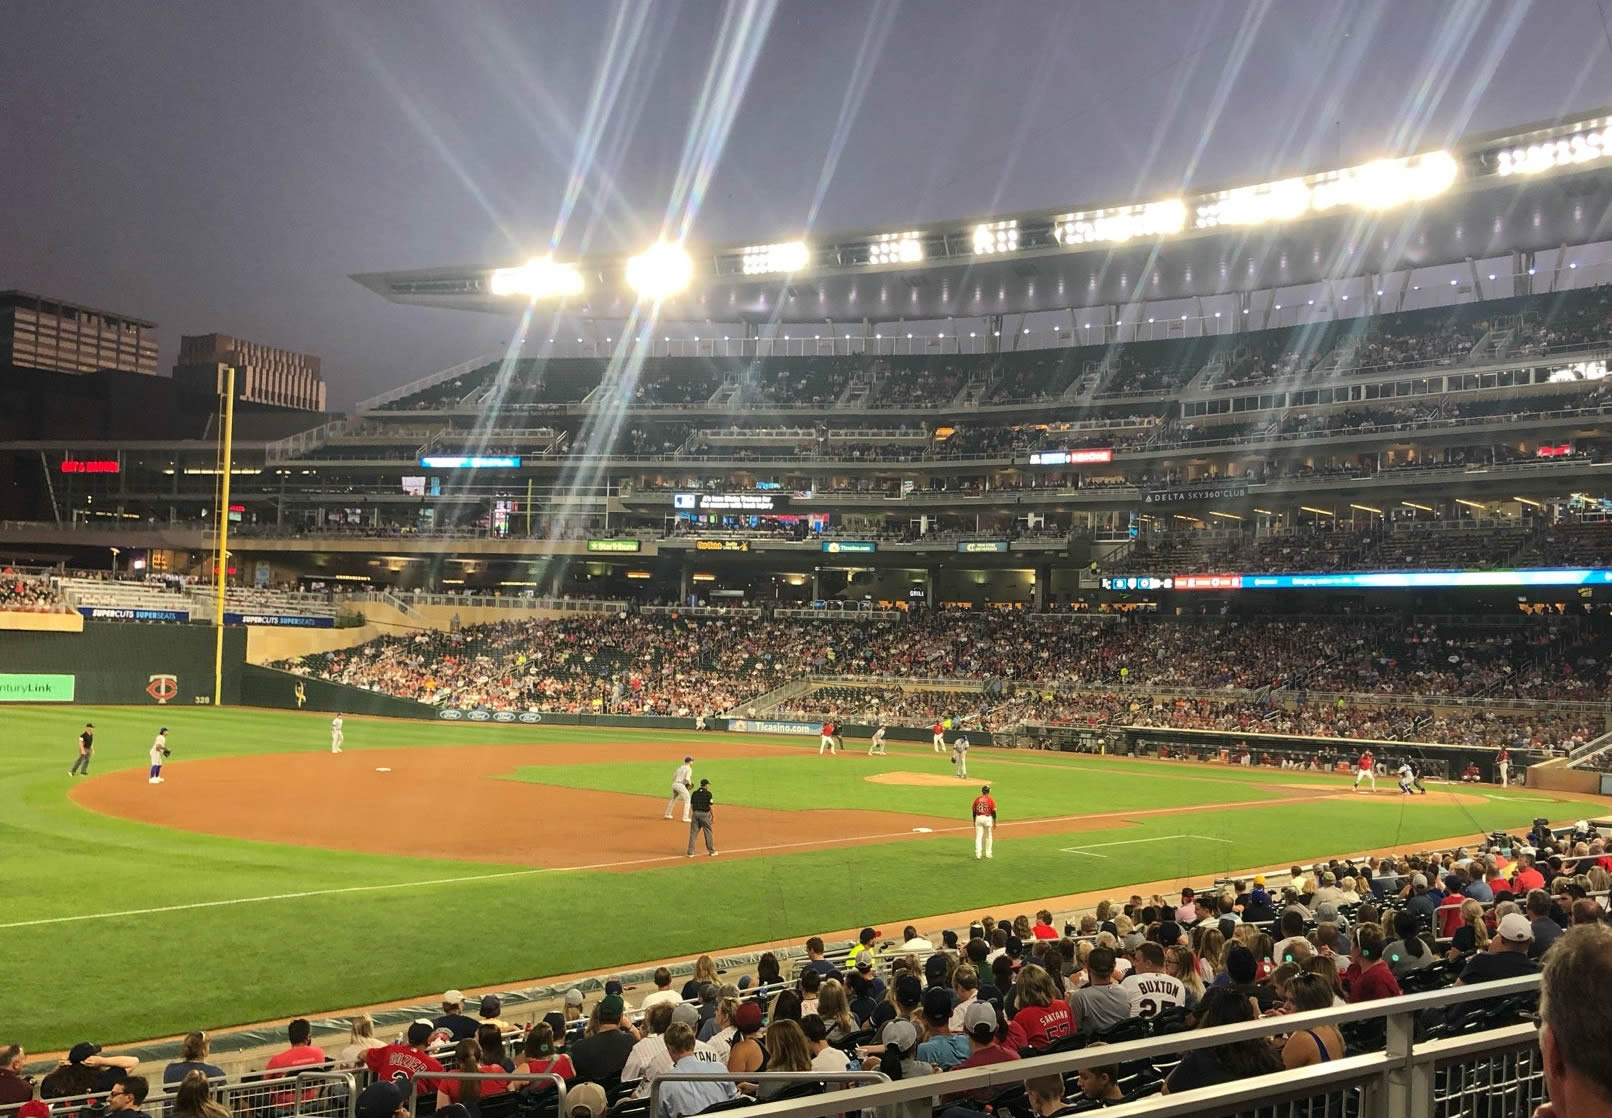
(226, 460)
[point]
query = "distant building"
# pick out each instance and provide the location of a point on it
(263, 374)
(37, 332)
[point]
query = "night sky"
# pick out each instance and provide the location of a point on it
(216, 165)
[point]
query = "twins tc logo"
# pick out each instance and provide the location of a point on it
(163, 687)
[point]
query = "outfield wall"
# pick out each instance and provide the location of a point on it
(128, 663)
(269, 687)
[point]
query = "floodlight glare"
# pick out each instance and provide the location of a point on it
(996, 236)
(538, 278)
(760, 260)
(1154, 219)
(1582, 147)
(659, 271)
(895, 248)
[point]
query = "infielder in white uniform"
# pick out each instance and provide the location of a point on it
(682, 780)
(877, 746)
(335, 734)
(159, 753)
(960, 756)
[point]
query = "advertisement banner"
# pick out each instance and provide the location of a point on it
(121, 613)
(758, 726)
(458, 714)
(1367, 580)
(1201, 491)
(849, 547)
(632, 546)
(281, 620)
(978, 547)
(731, 502)
(721, 545)
(32, 688)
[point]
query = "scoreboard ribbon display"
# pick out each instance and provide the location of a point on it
(1366, 580)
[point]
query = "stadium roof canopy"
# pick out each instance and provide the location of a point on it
(1493, 195)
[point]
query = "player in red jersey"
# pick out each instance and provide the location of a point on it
(1366, 769)
(939, 729)
(984, 813)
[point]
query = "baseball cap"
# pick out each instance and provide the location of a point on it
(935, 966)
(1014, 946)
(613, 985)
(1452, 882)
(82, 1052)
(687, 760)
(938, 1003)
(1514, 928)
(381, 1099)
(573, 997)
(490, 1005)
(612, 1004)
(979, 1013)
(687, 1014)
(869, 935)
(33, 1108)
(1169, 933)
(901, 1033)
(1133, 940)
(1259, 879)
(1326, 912)
(909, 989)
(164, 730)
(453, 997)
(863, 963)
(748, 1017)
(1259, 896)
(585, 1100)
(1419, 881)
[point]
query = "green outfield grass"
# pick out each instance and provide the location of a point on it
(119, 931)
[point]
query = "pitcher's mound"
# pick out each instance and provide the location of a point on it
(919, 780)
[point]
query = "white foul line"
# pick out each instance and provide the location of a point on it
(1087, 850)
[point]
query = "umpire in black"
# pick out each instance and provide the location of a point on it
(703, 815)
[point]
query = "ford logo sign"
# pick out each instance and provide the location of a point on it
(504, 716)
(451, 715)
(478, 716)
(530, 716)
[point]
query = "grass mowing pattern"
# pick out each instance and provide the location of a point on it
(131, 977)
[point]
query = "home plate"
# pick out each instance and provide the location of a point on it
(382, 769)
(922, 830)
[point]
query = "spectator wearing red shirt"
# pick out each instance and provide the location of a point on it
(542, 1058)
(1043, 926)
(467, 1058)
(980, 1026)
(300, 1054)
(1043, 1016)
(1369, 978)
(1527, 878)
(1447, 916)
(407, 1061)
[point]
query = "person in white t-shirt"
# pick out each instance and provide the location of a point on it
(1151, 988)
(825, 1057)
(664, 994)
(335, 734)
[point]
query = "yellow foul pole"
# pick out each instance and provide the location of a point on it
(226, 459)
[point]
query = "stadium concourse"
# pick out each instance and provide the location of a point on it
(1174, 963)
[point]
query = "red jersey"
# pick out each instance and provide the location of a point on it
(451, 1087)
(1044, 931)
(399, 1061)
(1365, 762)
(984, 805)
(1036, 1026)
(938, 728)
(828, 729)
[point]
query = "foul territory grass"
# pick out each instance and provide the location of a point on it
(105, 943)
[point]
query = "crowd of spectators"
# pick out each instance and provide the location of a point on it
(1137, 670)
(21, 592)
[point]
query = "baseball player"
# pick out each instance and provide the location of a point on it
(682, 786)
(829, 741)
(86, 750)
(335, 733)
(1502, 764)
(159, 753)
(960, 756)
(984, 813)
(940, 736)
(1365, 769)
(876, 747)
(1409, 782)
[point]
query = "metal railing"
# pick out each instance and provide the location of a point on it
(1402, 1080)
(761, 1078)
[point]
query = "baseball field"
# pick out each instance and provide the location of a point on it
(267, 877)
